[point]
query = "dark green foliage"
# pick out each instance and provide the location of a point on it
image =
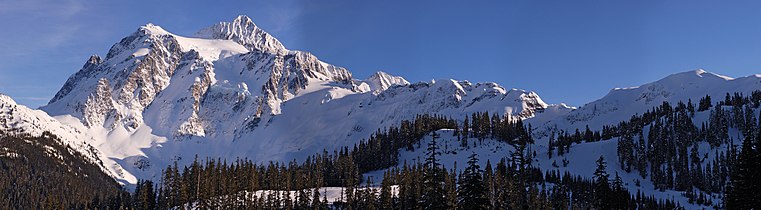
(602, 187)
(746, 178)
(512, 184)
(668, 151)
(704, 104)
(472, 191)
(42, 173)
(433, 179)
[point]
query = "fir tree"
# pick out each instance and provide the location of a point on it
(602, 187)
(745, 179)
(472, 193)
(433, 179)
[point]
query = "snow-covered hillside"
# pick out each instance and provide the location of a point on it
(621, 104)
(580, 161)
(233, 90)
(18, 119)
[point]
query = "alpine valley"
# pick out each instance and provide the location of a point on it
(160, 108)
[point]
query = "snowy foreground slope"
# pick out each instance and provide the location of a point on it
(18, 119)
(233, 90)
(581, 160)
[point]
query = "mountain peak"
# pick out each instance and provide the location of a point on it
(243, 31)
(150, 28)
(5, 99)
(380, 81)
(243, 19)
(694, 74)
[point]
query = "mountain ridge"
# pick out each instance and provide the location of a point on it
(158, 97)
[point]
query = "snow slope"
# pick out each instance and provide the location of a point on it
(233, 91)
(581, 159)
(622, 103)
(18, 119)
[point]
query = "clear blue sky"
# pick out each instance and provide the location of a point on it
(566, 51)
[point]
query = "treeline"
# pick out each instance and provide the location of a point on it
(742, 191)
(381, 150)
(42, 173)
(343, 167)
(513, 183)
(670, 149)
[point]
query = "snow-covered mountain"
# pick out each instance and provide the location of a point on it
(233, 90)
(620, 104)
(381, 81)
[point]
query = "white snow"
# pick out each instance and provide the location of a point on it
(211, 49)
(245, 95)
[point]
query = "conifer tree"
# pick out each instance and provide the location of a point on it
(472, 192)
(433, 185)
(602, 187)
(745, 178)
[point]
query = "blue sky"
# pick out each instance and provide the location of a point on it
(566, 51)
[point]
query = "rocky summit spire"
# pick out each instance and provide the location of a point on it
(243, 31)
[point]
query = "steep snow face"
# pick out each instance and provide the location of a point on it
(621, 103)
(18, 119)
(236, 92)
(381, 81)
(242, 30)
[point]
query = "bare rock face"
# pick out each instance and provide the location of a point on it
(138, 87)
(135, 70)
(87, 70)
(99, 105)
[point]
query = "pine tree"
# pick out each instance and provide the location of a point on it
(602, 187)
(316, 204)
(465, 132)
(386, 199)
(144, 195)
(619, 194)
(705, 103)
(745, 178)
(472, 192)
(551, 145)
(450, 185)
(433, 179)
(626, 151)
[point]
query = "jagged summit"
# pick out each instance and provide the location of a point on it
(243, 30)
(380, 81)
(150, 28)
(237, 90)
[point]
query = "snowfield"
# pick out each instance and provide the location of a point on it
(234, 91)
